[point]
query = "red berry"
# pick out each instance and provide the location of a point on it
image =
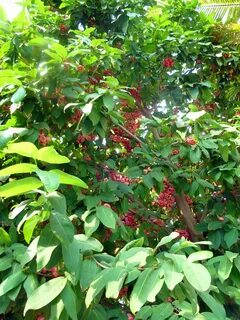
(175, 152)
(168, 62)
(40, 317)
(190, 141)
(123, 292)
(63, 28)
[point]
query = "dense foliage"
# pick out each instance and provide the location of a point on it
(119, 148)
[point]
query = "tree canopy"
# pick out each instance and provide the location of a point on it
(119, 148)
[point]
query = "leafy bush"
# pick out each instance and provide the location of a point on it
(119, 139)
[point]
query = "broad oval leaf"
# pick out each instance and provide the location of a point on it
(62, 227)
(145, 289)
(44, 294)
(66, 178)
(25, 149)
(50, 155)
(107, 216)
(88, 243)
(19, 95)
(197, 275)
(20, 186)
(200, 255)
(12, 282)
(18, 168)
(50, 180)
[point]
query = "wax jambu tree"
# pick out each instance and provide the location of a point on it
(119, 137)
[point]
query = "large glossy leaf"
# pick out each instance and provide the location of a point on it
(73, 259)
(69, 299)
(115, 282)
(62, 227)
(18, 168)
(19, 95)
(145, 289)
(50, 155)
(66, 178)
(21, 186)
(12, 282)
(46, 245)
(171, 276)
(58, 202)
(44, 294)
(107, 216)
(215, 306)
(200, 255)
(25, 149)
(197, 275)
(88, 243)
(97, 286)
(50, 180)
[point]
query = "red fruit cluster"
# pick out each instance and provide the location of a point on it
(135, 93)
(123, 292)
(94, 80)
(130, 220)
(43, 139)
(210, 107)
(40, 317)
(82, 138)
(131, 124)
(76, 116)
(166, 198)
(113, 175)
(175, 152)
(107, 72)
(53, 272)
(63, 28)
(168, 62)
(124, 141)
(183, 233)
(190, 141)
(189, 200)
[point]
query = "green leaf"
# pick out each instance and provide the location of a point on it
(29, 227)
(5, 263)
(195, 155)
(91, 224)
(107, 216)
(62, 227)
(50, 155)
(97, 286)
(66, 178)
(58, 202)
(215, 306)
(162, 312)
(231, 237)
(19, 95)
(171, 276)
(205, 183)
(72, 259)
(44, 294)
(18, 168)
(5, 239)
(88, 243)
(12, 282)
(144, 313)
(224, 269)
(69, 299)
(115, 282)
(30, 284)
(25, 149)
(20, 186)
(195, 115)
(50, 180)
(88, 272)
(46, 245)
(108, 102)
(167, 239)
(197, 275)
(142, 290)
(200, 255)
